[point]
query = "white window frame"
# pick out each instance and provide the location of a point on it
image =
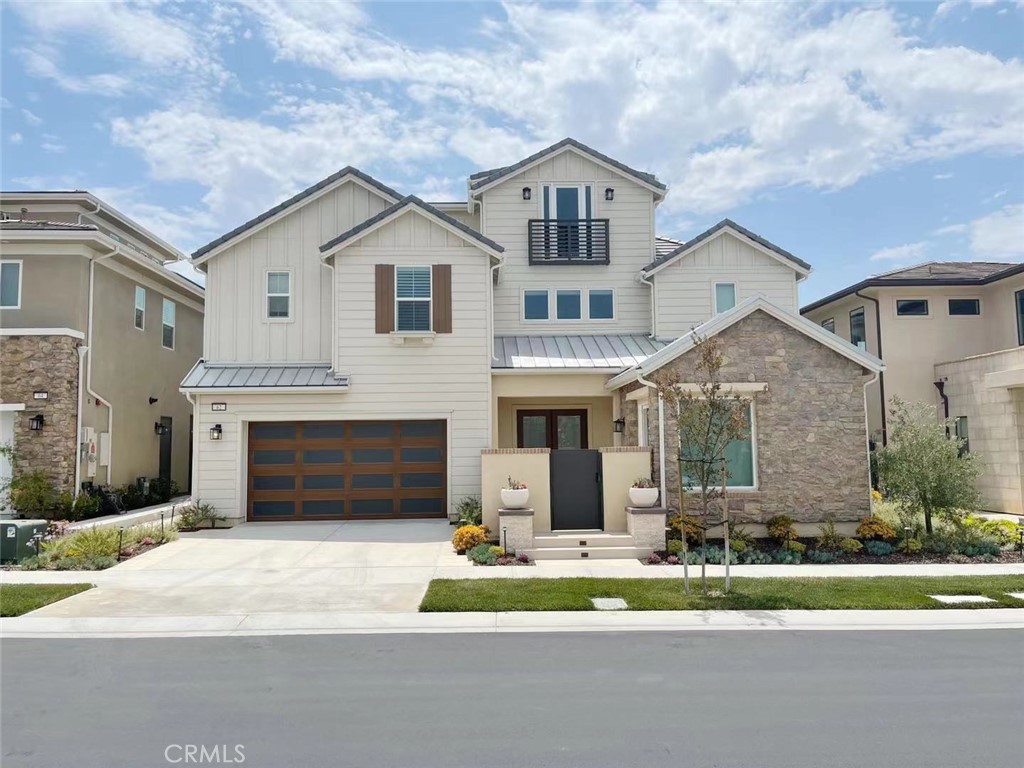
(267, 295)
(554, 301)
(173, 324)
(581, 199)
(138, 308)
(429, 301)
(714, 295)
(753, 451)
(21, 277)
(614, 307)
(522, 305)
(643, 412)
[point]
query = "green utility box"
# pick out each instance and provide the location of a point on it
(16, 539)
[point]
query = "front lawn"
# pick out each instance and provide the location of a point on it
(16, 599)
(884, 592)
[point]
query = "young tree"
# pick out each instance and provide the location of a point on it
(924, 467)
(708, 417)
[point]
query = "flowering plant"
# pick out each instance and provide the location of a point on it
(515, 485)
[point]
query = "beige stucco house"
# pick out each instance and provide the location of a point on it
(95, 335)
(371, 355)
(952, 335)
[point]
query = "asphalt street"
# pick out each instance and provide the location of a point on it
(747, 699)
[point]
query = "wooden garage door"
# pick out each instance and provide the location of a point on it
(347, 470)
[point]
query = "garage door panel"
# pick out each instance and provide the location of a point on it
(347, 470)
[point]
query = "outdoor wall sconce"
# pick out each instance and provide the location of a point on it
(619, 425)
(160, 429)
(36, 422)
(153, 400)
(215, 432)
(527, 193)
(609, 193)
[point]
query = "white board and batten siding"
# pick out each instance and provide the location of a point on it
(684, 290)
(504, 216)
(237, 328)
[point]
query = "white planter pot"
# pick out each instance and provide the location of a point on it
(643, 497)
(515, 498)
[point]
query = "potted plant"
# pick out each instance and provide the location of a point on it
(516, 495)
(643, 493)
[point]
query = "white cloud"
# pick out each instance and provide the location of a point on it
(942, 176)
(999, 235)
(15, 138)
(951, 229)
(54, 147)
(30, 117)
(901, 254)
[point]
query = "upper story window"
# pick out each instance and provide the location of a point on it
(965, 306)
(602, 303)
(168, 324)
(567, 232)
(911, 307)
(568, 305)
(725, 296)
(829, 325)
(279, 295)
(1019, 303)
(10, 284)
(858, 331)
(140, 307)
(535, 305)
(412, 299)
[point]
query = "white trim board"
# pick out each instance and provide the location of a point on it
(742, 238)
(42, 332)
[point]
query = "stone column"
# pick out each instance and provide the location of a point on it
(515, 529)
(647, 527)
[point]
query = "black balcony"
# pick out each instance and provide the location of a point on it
(568, 241)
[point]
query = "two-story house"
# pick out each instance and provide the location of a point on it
(95, 334)
(369, 355)
(952, 335)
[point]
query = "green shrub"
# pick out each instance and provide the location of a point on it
(470, 511)
(688, 524)
(193, 516)
(498, 551)
(674, 546)
(755, 557)
(81, 507)
(483, 554)
(1004, 532)
(142, 535)
(91, 542)
(875, 529)
(787, 557)
(780, 528)
(795, 546)
(131, 497)
(33, 495)
(829, 539)
(979, 549)
(878, 548)
(716, 556)
(739, 534)
(909, 546)
(850, 546)
(161, 491)
(737, 545)
(821, 556)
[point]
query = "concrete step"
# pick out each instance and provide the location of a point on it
(582, 540)
(580, 553)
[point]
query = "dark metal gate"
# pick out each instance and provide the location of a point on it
(576, 490)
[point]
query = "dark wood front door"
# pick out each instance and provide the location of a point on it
(576, 490)
(558, 429)
(166, 426)
(347, 470)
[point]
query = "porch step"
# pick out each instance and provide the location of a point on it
(582, 540)
(584, 553)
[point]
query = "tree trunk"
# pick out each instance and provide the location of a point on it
(704, 544)
(927, 521)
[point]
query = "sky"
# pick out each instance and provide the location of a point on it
(861, 137)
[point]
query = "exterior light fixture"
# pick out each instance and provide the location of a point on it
(609, 193)
(36, 422)
(527, 193)
(620, 426)
(216, 431)
(160, 429)
(153, 400)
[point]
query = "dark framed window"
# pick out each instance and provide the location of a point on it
(1019, 296)
(911, 307)
(829, 325)
(965, 306)
(535, 305)
(858, 330)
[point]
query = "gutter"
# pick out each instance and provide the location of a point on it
(661, 440)
(881, 374)
(941, 386)
(654, 317)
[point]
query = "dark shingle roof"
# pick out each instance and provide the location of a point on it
(59, 226)
(937, 273)
(347, 170)
(719, 226)
(482, 178)
(403, 203)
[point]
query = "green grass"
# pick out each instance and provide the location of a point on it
(16, 599)
(884, 592)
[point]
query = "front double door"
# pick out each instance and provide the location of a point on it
(552, 428)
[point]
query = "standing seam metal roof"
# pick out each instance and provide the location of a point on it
(218, 376)
(573, 351)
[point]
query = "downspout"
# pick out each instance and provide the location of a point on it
(881, 375)
(88, 370)
(492, 277)
(941, 386)
(99, 207)
(195, 445)
(82, 349)
(661, 439)
(654, 317)
(867, 433)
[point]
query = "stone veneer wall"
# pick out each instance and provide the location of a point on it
(30, 364)
(811, 431)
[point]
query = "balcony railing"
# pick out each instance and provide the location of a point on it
(568, 241)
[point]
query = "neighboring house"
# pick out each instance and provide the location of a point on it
(952, 335)
(370, 355)
(95, 334)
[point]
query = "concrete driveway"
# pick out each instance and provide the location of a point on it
(359, 567)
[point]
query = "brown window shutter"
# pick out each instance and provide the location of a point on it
(441, 296)
(385, 290)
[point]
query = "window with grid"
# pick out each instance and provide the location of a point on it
(279, 295)
(168, 324)
(412, 299)
(140, 307)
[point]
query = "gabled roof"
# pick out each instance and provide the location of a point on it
(727, 224)
(578, 353)
(663, 246)
(443, 218)
(348, 170)
(932, 273)
(720, 322)
(478, 181)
